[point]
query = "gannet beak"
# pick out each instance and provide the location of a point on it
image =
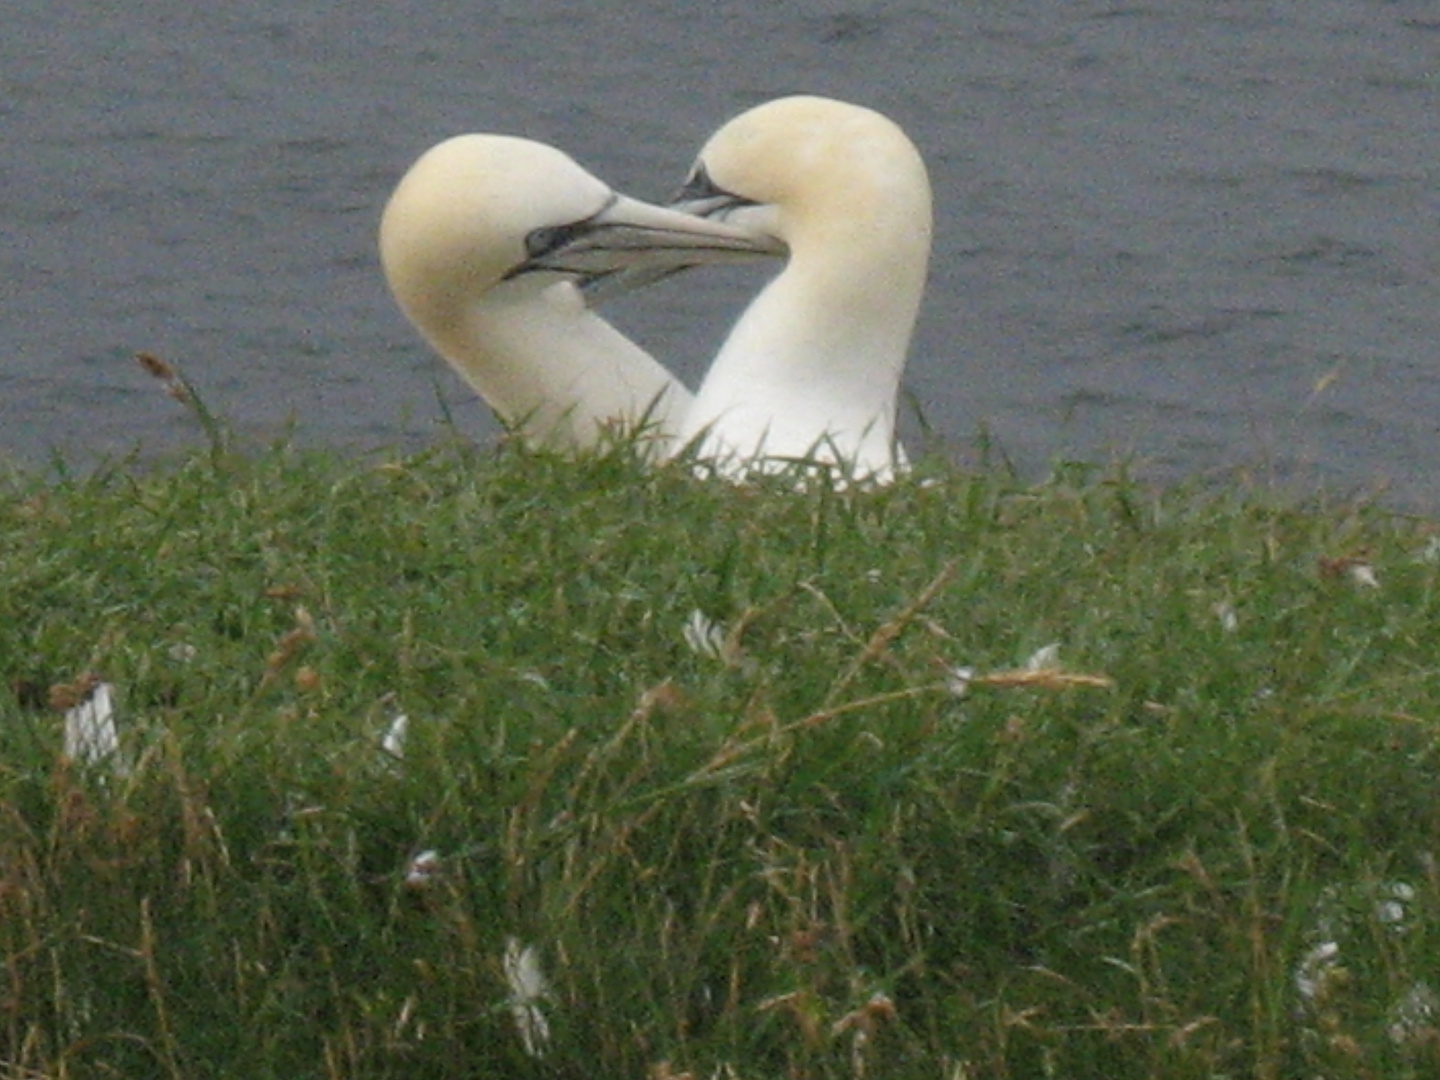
(638, 241)
(700, 199)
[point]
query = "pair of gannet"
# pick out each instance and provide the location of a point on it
(487, 239)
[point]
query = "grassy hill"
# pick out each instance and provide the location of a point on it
(712, 780)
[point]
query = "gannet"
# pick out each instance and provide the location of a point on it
(812, 368)
(482, 243)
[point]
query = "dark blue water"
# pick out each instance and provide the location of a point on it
(1202, 235)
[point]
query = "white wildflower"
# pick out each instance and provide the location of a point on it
(182, 652)
(424, 870)
(704, 635)
(527, 988)
(91, 737)
(958, 679)
(1043, 658)
(1391, 910)
(1363, 574)
(1225, 612)
(394, 741)
(1316, 970)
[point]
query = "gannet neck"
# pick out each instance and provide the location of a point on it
(558, 372)
(481, 243)
(813, 366)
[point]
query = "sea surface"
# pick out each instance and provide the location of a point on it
(1200, 236)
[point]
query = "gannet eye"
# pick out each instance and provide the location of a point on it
(550, 238)
(705, 198)
(698, 185)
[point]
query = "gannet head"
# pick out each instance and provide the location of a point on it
(820, 175)
(479, 211)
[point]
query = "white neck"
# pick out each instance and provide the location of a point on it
(549, 365)
(812, 369)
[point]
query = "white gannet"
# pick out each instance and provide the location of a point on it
(481, 244)
(812, 368)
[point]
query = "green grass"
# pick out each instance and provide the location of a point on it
(803, 857)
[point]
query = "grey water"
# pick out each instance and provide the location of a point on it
(1201, 236)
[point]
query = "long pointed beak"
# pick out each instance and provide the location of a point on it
(630, 235)
(679, 231)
